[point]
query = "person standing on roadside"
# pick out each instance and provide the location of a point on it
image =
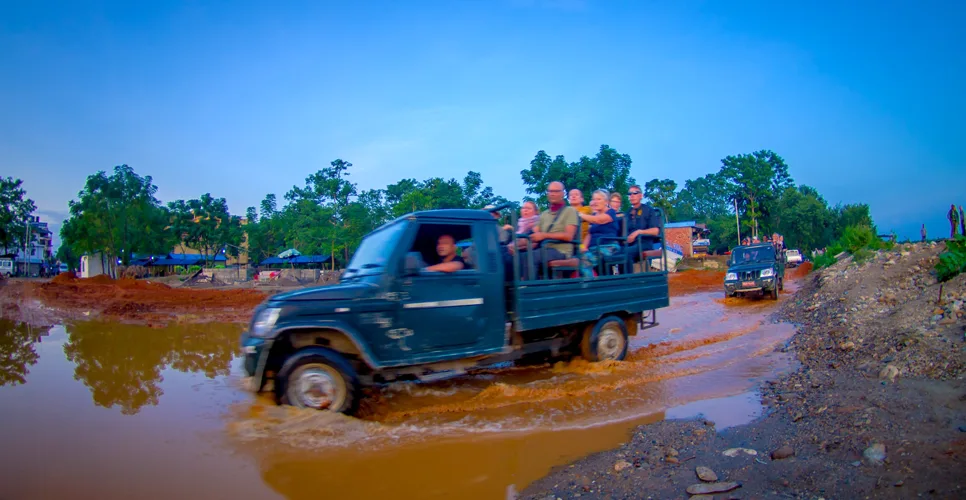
(962, 221)
(953, 216)
(922, 232)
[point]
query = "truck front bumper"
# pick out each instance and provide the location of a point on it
(761, 284)
(256, 357)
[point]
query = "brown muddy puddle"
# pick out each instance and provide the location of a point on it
(103, 410)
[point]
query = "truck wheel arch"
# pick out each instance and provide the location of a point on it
(336, 339)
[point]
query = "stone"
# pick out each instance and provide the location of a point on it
(733, 452)
(706, 474)
(783, 453)
(875, 454)
(672, 460)
(712, 488)
(889, 372)
(671, 452)
(847, 346)
(621, 465)
(702, 497)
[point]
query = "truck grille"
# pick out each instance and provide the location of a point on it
(749, 275)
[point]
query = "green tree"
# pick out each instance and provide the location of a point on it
(15, 210)
(206, 225)
(117, 215)
(704, 198)
(662, 195)
(756, 179)
(608, 170)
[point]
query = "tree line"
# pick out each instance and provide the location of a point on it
(119, 214)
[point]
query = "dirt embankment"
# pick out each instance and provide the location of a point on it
(877, 410)
(127, 300)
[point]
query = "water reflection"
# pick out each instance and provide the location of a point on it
(122, 364)
(17, 353)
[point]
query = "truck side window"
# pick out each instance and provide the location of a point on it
(429, 236)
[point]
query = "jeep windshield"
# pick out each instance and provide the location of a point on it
(374, 251)
(750, 255)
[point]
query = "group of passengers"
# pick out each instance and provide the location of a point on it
(777, 240)
(552, 235)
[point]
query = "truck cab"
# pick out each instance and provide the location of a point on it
(390, 318)
(757, 268)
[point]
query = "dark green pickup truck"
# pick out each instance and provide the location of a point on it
(755, 268)
(388, 318)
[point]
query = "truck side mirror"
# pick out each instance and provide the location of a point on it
(412, 264)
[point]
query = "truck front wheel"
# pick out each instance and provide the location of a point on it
(607, 340)
(320, 379)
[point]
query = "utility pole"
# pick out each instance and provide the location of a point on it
(737, 220)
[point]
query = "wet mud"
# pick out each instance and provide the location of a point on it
(176, 395)
(142, 301)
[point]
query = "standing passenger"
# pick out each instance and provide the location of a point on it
(576, 199)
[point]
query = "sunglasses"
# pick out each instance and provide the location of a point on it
(635, 192)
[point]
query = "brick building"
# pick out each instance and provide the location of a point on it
(680, 236)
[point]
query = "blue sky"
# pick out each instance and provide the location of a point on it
(863, 99)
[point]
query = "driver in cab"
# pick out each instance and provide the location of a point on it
(447, 261)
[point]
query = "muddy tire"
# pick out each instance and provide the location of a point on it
(607, 340)
(323, 380)
(774, 293)
(781, 283)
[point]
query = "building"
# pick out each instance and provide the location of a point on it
(681, 237)
(39, 251)
(227, 260)
(93, 265)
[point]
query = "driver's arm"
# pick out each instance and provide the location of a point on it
(447, 267)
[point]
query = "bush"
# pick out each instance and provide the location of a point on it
(194, 269)
(859, 241)
(952, 262)
(180, 270)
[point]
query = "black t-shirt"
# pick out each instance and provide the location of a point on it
(439, 260)
(643, 217)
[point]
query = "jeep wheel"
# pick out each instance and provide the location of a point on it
(323, 380)
(607, 340)
(774, 293)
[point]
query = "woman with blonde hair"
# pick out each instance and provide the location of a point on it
(603, 224)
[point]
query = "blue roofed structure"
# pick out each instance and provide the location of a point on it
(307, 261)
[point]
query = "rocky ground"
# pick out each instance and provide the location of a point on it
(876, 410)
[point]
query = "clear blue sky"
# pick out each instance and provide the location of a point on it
(864, 99)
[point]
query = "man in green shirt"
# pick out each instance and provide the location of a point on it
(556, 229)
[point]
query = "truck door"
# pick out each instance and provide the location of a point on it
(452, 311)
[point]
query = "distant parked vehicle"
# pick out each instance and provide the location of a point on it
(793, 258)
(63, 268)
(6, 267)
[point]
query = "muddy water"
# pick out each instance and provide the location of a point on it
(96, 410)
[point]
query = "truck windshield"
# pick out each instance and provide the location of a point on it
(374, 251)
(754, 254)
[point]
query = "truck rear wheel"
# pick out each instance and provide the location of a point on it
(607, 340)
(322, 380)
(774, 293)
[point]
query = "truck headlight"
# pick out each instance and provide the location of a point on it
(765, 273)
(265, 321)
(731, 277)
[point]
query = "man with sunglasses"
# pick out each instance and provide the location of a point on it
(643, 222)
